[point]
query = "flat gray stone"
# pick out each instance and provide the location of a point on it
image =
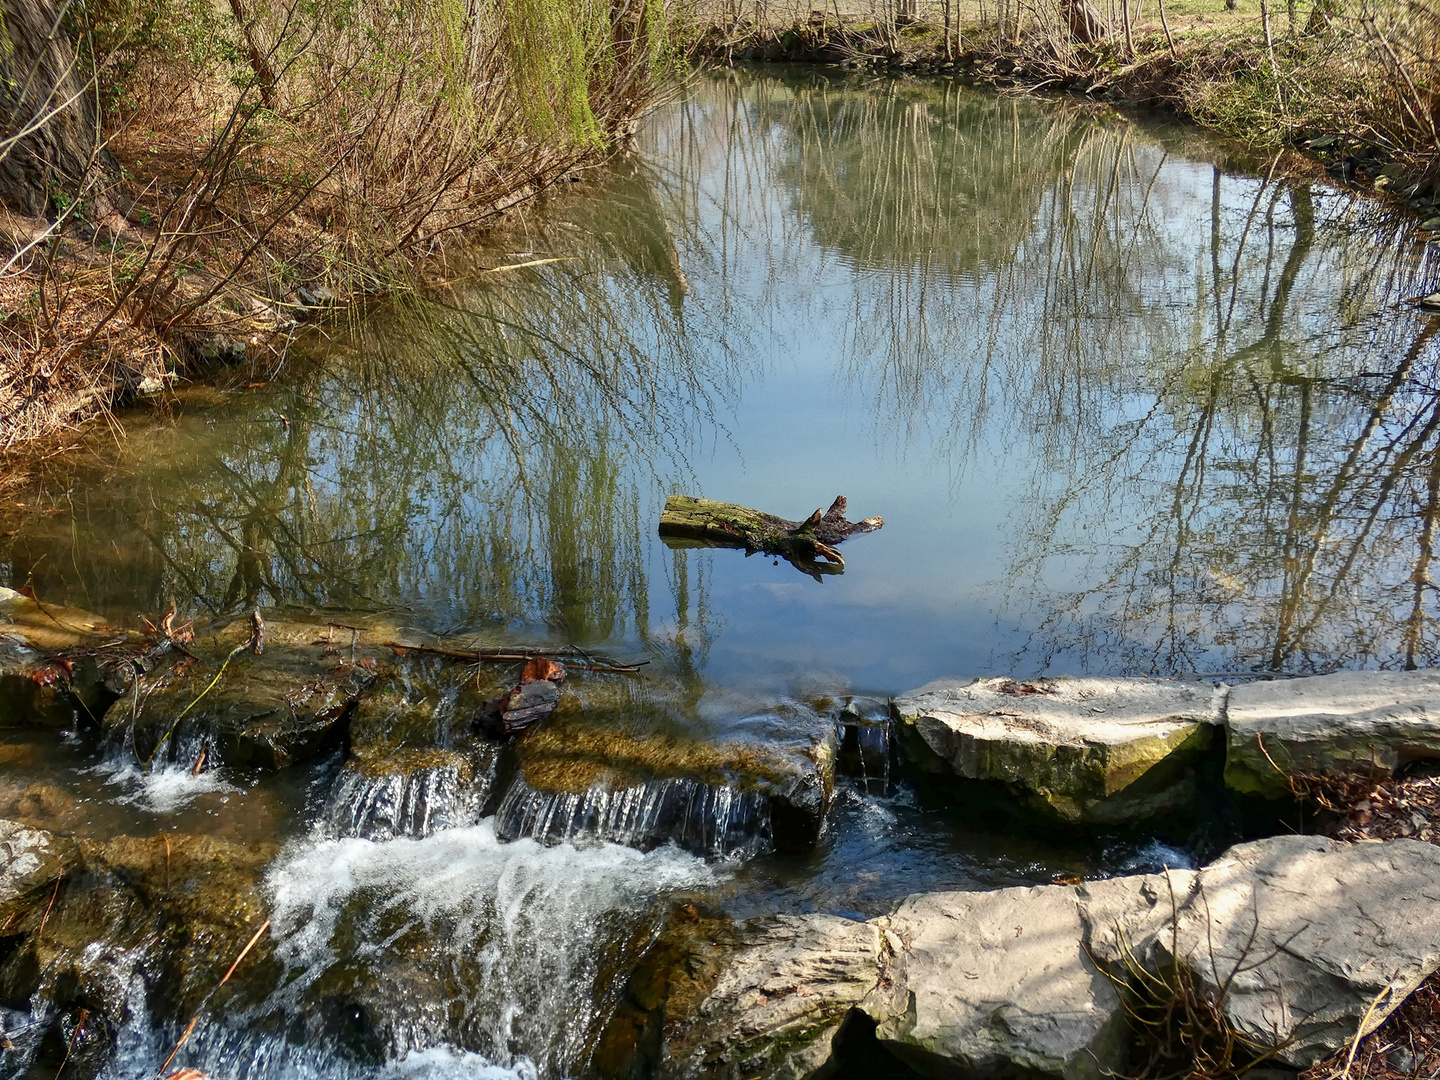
(1312, 934)
(1296, 939)
(999, 981)
(1327, 725)
(1104, 750)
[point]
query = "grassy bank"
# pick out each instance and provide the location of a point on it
(251, 163)
(1356, 83)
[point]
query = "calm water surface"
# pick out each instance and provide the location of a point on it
(1122, 411)
(1126, 406)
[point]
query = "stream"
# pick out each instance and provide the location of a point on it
(1129, 403)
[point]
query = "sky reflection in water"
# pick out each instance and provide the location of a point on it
(1122, 411)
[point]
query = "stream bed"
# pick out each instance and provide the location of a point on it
(1128, 403)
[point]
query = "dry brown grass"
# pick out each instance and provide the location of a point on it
(327, 147)
(1365, 73)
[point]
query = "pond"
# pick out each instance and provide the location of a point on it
(1127, 401)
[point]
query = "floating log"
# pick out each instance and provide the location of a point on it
(804, 544)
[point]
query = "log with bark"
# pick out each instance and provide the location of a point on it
(807, 545)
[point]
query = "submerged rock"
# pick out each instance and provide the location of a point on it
(1295, 941)
(258, 712)
(1084, 750)
(143, 925)
(1326, 725)
(52, 663)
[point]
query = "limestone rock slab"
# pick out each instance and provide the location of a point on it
(1329, 724)
(1103, 750)
(998, 982)
(1296, 939)
(1311, 934)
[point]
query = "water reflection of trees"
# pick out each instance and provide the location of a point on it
(482, 460)
(1231, 425)
(1231, 431)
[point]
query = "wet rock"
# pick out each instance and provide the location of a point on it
(716, 820)
(261, 712)
(51, 664)
(1295, 940)
(775, 1007)
(31, 861)
(140, 923)
(1327, 725)
(1083, 750)
(414, 764)
(594, 772)
(411, 793)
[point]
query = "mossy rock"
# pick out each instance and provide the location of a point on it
(1102, 751)
(261, 712)
(167, 914)
(774, 777)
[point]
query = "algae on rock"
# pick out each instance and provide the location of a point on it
(1080, 749)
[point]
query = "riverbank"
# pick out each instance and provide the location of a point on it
(209, 179)
(1350, 94)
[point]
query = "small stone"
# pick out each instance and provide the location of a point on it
(315, 296)
(1432, 224)
(1431, 302)
(1401, 1059)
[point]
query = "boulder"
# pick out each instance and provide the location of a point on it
(1080, 749)
(1353, 721)
(1312, 936)
(774, 1013)
(1296, 941)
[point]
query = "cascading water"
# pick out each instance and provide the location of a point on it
(415, 804)
(459, 940)
(714, 820)
(866, 749)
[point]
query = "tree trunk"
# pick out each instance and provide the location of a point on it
(49, 131)
(1087, 25)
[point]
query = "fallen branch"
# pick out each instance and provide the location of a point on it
(502, 656)
(804, 544)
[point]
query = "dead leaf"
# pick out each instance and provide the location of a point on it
(541, 669)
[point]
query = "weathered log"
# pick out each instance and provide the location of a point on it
(803, 543)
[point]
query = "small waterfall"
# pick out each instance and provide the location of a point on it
(414, 802)
(714, 820)
(865, 751)
(501, 951)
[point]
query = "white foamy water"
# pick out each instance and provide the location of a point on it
(446, 1063)
(465, 940)
(165, 788)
